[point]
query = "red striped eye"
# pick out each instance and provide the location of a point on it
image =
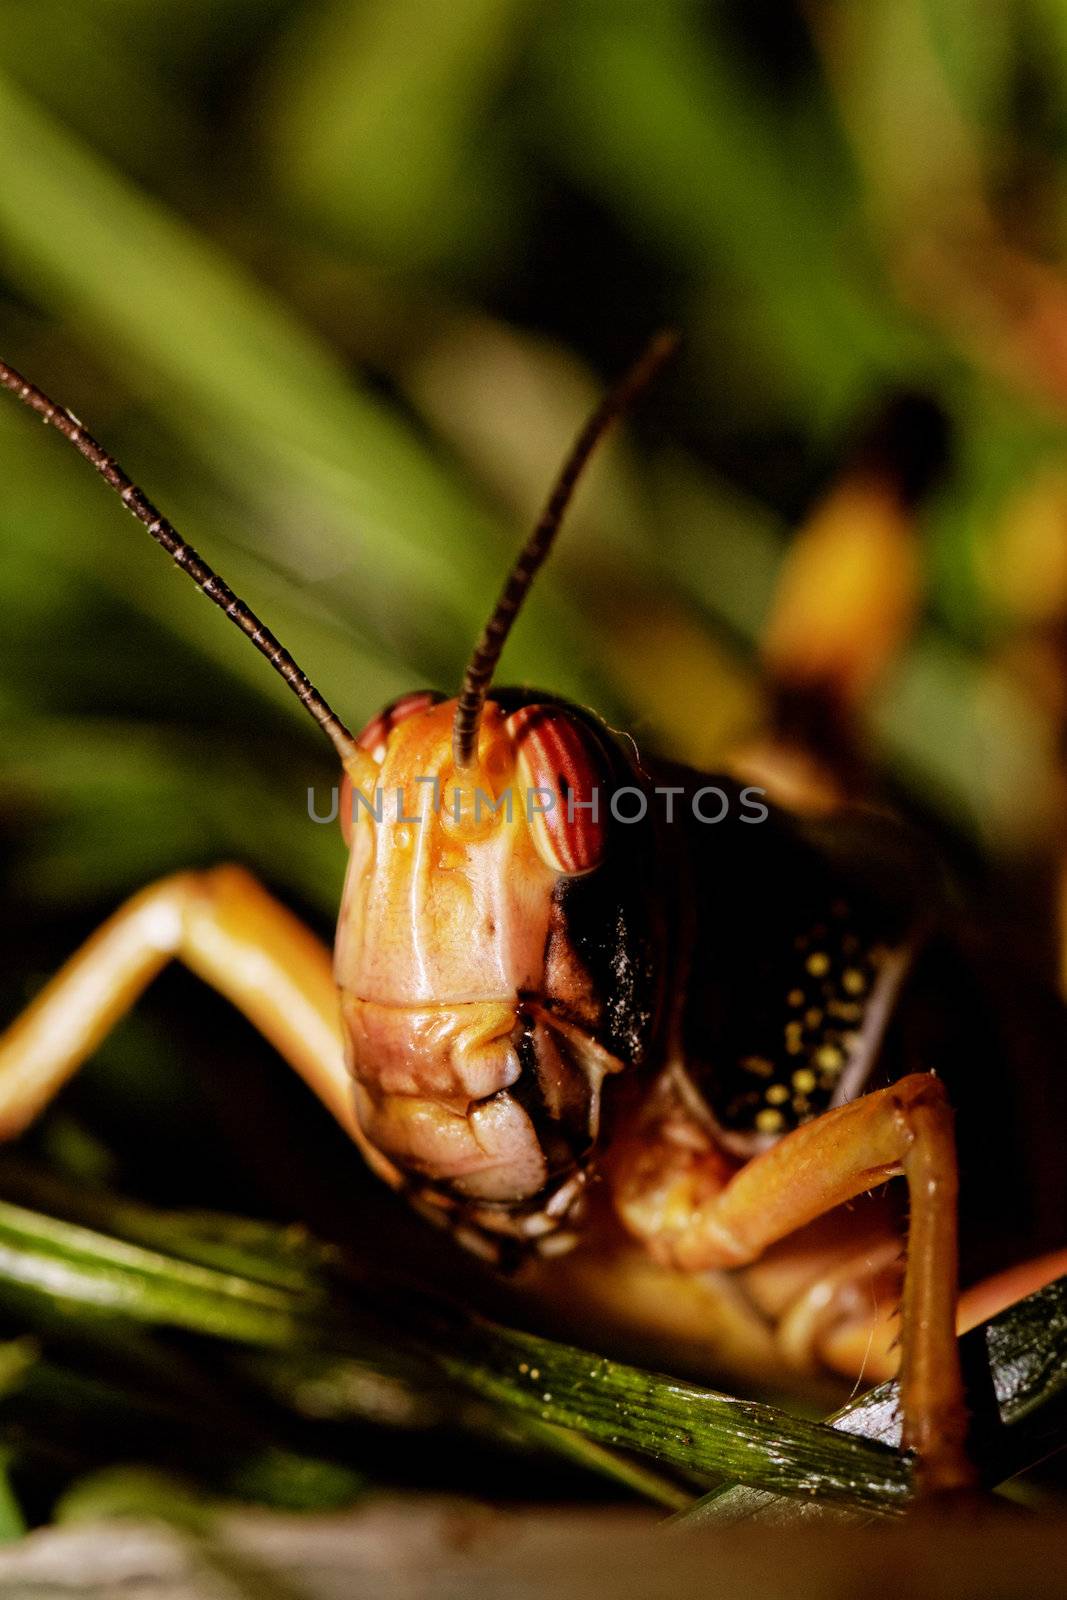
(375, 735)
(563, 786)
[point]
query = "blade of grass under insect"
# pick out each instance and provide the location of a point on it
(623, 1470)
(340, 1389)
(1017, 1371)
(392, 1385)
(676, 1424)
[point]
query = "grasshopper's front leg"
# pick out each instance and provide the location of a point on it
(225, 927)
(692, 1212)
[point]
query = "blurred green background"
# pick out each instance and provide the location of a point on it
(337, 280)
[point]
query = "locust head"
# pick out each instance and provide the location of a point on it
(493, 957)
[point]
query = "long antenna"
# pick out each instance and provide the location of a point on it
(479, 673)
(184, 556)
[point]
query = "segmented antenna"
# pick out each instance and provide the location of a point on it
(183, 555)
(479, 673)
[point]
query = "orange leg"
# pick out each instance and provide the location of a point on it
(699, 1216)
(227, 929)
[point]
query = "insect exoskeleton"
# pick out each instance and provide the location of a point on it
(495, 958)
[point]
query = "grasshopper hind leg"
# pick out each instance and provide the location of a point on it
(696, 1215)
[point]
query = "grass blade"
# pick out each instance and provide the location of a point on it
(619, 1407)
(1016, 1370)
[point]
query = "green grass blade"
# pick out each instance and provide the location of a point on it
(1016, 1367)
(290, 1301)
(675, 1424)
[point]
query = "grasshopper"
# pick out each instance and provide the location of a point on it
(570, 981)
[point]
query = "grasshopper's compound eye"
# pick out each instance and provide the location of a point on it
(563, 786)
(375, 735)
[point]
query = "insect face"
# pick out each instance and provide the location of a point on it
(486, 991)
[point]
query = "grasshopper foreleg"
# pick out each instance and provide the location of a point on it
(226, 928)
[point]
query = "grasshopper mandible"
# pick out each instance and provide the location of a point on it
(525, 994)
